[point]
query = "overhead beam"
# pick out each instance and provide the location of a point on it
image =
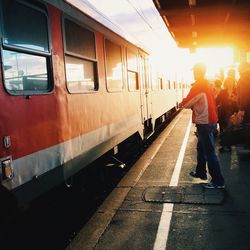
(193, 25)
(239, 27)
(216, 10)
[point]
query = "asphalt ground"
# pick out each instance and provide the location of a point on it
(128, 220)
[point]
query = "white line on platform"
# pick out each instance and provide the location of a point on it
(164, 225)
(159, 142)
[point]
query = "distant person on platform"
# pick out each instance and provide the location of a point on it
(243, 89)
(217, 87)
(204, 114)
(227, 104)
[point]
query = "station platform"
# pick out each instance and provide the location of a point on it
(158, 205)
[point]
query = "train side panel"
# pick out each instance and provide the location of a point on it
(48, 131)
(51, 126)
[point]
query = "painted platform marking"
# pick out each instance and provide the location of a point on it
(164, 225)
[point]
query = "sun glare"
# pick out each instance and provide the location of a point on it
(216, 60)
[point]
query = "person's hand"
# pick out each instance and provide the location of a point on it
(240, 115)
(236, 118)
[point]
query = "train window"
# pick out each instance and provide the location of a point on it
(114, 74)
(155, 80)
(20, 31)
(160, 82)
(80, 58)
(25, 48)
(168, 84)
(133, 81)
(175, 85)
(132, 65)
(80, 75)
(79, 40)
(24, 72)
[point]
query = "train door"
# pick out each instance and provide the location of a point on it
(146, 103)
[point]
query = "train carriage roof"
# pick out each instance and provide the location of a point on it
(137, 21)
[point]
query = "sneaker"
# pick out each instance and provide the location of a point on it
(212, 185)
(195, 175)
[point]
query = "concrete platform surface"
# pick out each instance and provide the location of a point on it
(126, 220)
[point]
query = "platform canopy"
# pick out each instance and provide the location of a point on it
(207, 23)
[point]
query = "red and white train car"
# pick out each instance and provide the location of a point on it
(71, 89)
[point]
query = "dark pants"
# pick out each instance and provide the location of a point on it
(206, 154)
(246, 118)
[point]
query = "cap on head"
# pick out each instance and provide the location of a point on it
(200, 67)
(231, 73)
(218, 83)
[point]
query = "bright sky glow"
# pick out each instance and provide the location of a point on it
(214, 58)
(140, 19)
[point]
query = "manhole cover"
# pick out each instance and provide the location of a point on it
(195, 194)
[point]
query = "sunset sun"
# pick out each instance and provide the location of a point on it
(216, 59)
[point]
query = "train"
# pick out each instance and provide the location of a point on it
(71, 90)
